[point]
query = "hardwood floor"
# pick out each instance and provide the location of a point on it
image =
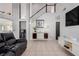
(44, 48)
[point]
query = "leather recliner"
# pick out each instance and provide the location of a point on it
(17, 46)
(3, 51)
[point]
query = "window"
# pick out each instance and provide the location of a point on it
(50, 9)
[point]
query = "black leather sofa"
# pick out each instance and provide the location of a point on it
(10, 46)
(3, 51)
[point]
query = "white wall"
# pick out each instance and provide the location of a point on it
(25, 11)
(43, 11)
(25, 14)
(48, 17)
(36, 7)
(15, 19)
(32, 22)
(5, 25)
(5, 19)
(49, 25)
(70, 31)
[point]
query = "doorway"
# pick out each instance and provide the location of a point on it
(22, 29)
(57, 30)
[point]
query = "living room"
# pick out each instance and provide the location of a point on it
(38, 29)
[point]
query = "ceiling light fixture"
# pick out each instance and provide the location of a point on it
(2, 11)
(9, 13)
(5, 12)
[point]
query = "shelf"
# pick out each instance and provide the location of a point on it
(72, 44)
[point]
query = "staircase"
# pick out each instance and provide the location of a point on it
(42, 10)
(38, 13)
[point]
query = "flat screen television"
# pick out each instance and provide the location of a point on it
(72, 17)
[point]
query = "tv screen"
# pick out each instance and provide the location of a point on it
(72, 17)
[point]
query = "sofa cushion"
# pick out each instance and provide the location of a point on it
(2, 54)
(9, 53)
(18, 47)
(20, 40)
(1, 39)
(10, 42)
(2, 44)
(8, 36)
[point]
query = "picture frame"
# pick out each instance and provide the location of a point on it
(39, 23)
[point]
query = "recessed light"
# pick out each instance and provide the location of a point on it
(9, 13)
(2, 11)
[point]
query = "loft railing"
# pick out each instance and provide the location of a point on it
(38, 11)
(45, 9)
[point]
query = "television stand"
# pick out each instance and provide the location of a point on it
(69, 45)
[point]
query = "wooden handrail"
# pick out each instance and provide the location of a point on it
(38, 11)
(41, 9)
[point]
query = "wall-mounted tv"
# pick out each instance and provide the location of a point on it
(72, 17)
